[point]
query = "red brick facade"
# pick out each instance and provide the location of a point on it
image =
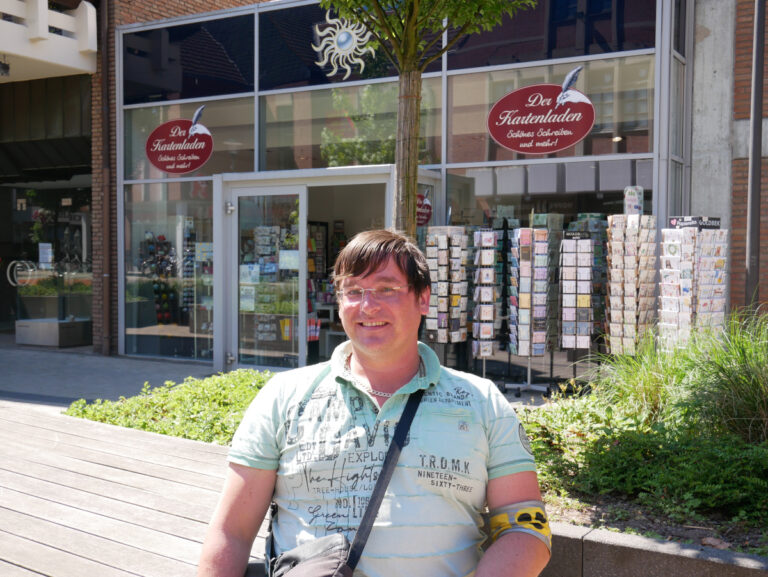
(740, 173)
(742, 88)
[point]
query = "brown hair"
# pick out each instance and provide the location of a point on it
(369, 250)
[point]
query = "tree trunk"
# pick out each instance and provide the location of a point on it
(407, 151)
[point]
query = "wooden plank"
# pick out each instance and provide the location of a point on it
(134, 479)
(103, 505)
(195, 509)
(154, 541)
(159, 456)
(126, 463)
(52, 562)
(43, 535)
(9, 570)
(119, 435)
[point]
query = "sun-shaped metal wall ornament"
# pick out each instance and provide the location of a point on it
(342, 44)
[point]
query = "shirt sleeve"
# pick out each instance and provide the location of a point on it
(255, 443)
(509, 449)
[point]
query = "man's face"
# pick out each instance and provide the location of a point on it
(383, 327)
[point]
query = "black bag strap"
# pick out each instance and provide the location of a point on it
(387, 469)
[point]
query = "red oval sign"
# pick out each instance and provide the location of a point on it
(172, 148)
(423, 210)
(541, 119)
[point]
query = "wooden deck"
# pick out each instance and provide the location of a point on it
(79, 498)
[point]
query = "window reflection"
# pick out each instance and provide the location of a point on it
(189, 61)
(342, 126)
(569, 189)
(620, 89)
(169, 269)
(561, 29)
(229, 121)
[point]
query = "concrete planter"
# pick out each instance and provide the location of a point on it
(48, 307)
(584, 552)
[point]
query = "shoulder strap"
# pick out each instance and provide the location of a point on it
(387, 469)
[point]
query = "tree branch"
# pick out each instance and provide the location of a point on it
(428, 16)
(450, 44)
(371, 24)
(395, 39)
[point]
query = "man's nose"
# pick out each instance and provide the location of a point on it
(368, 301)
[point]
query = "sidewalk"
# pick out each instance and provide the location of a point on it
(57, 377)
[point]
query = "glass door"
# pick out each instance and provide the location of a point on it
(271, 301)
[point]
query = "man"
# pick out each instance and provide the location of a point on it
(314, 439)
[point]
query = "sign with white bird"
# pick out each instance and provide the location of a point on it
(180, 146)
(542, 118)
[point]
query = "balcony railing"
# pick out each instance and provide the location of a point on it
(36, 42)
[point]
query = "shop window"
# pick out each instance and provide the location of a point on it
(210, 58)
(620, 89)
(567, 188)
(287, 59)
(169, 270)
(230, 123)
(47, 281)
(342, 126)
(561, 29)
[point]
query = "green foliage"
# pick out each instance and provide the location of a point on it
(681, 475)
(369, 137)
(730, 391)
(52, 286)
(649, 386)
(207, 409)
(683, 433)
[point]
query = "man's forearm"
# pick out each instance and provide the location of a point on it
(223, 556)
(514, 555)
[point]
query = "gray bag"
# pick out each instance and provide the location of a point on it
(324, 557)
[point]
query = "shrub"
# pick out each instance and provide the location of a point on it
(730, 392)
(649, 386)
(207, 409)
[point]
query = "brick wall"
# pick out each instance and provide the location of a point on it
(742, 82)
(104, 182)
(740, 167)
(739, 233)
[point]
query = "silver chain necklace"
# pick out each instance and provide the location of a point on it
(365, 386)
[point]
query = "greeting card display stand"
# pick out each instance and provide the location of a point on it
(632, 280)
(446, 252)
(533, 288)
(694, 269)
(576, 258)
(484, 295)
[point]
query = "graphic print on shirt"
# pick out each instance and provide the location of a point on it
(450, 459)
(333, 455)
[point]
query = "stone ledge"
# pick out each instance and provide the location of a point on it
(585, 552)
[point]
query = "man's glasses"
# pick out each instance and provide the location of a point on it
(381, 294)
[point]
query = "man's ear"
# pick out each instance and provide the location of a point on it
(424, 301)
